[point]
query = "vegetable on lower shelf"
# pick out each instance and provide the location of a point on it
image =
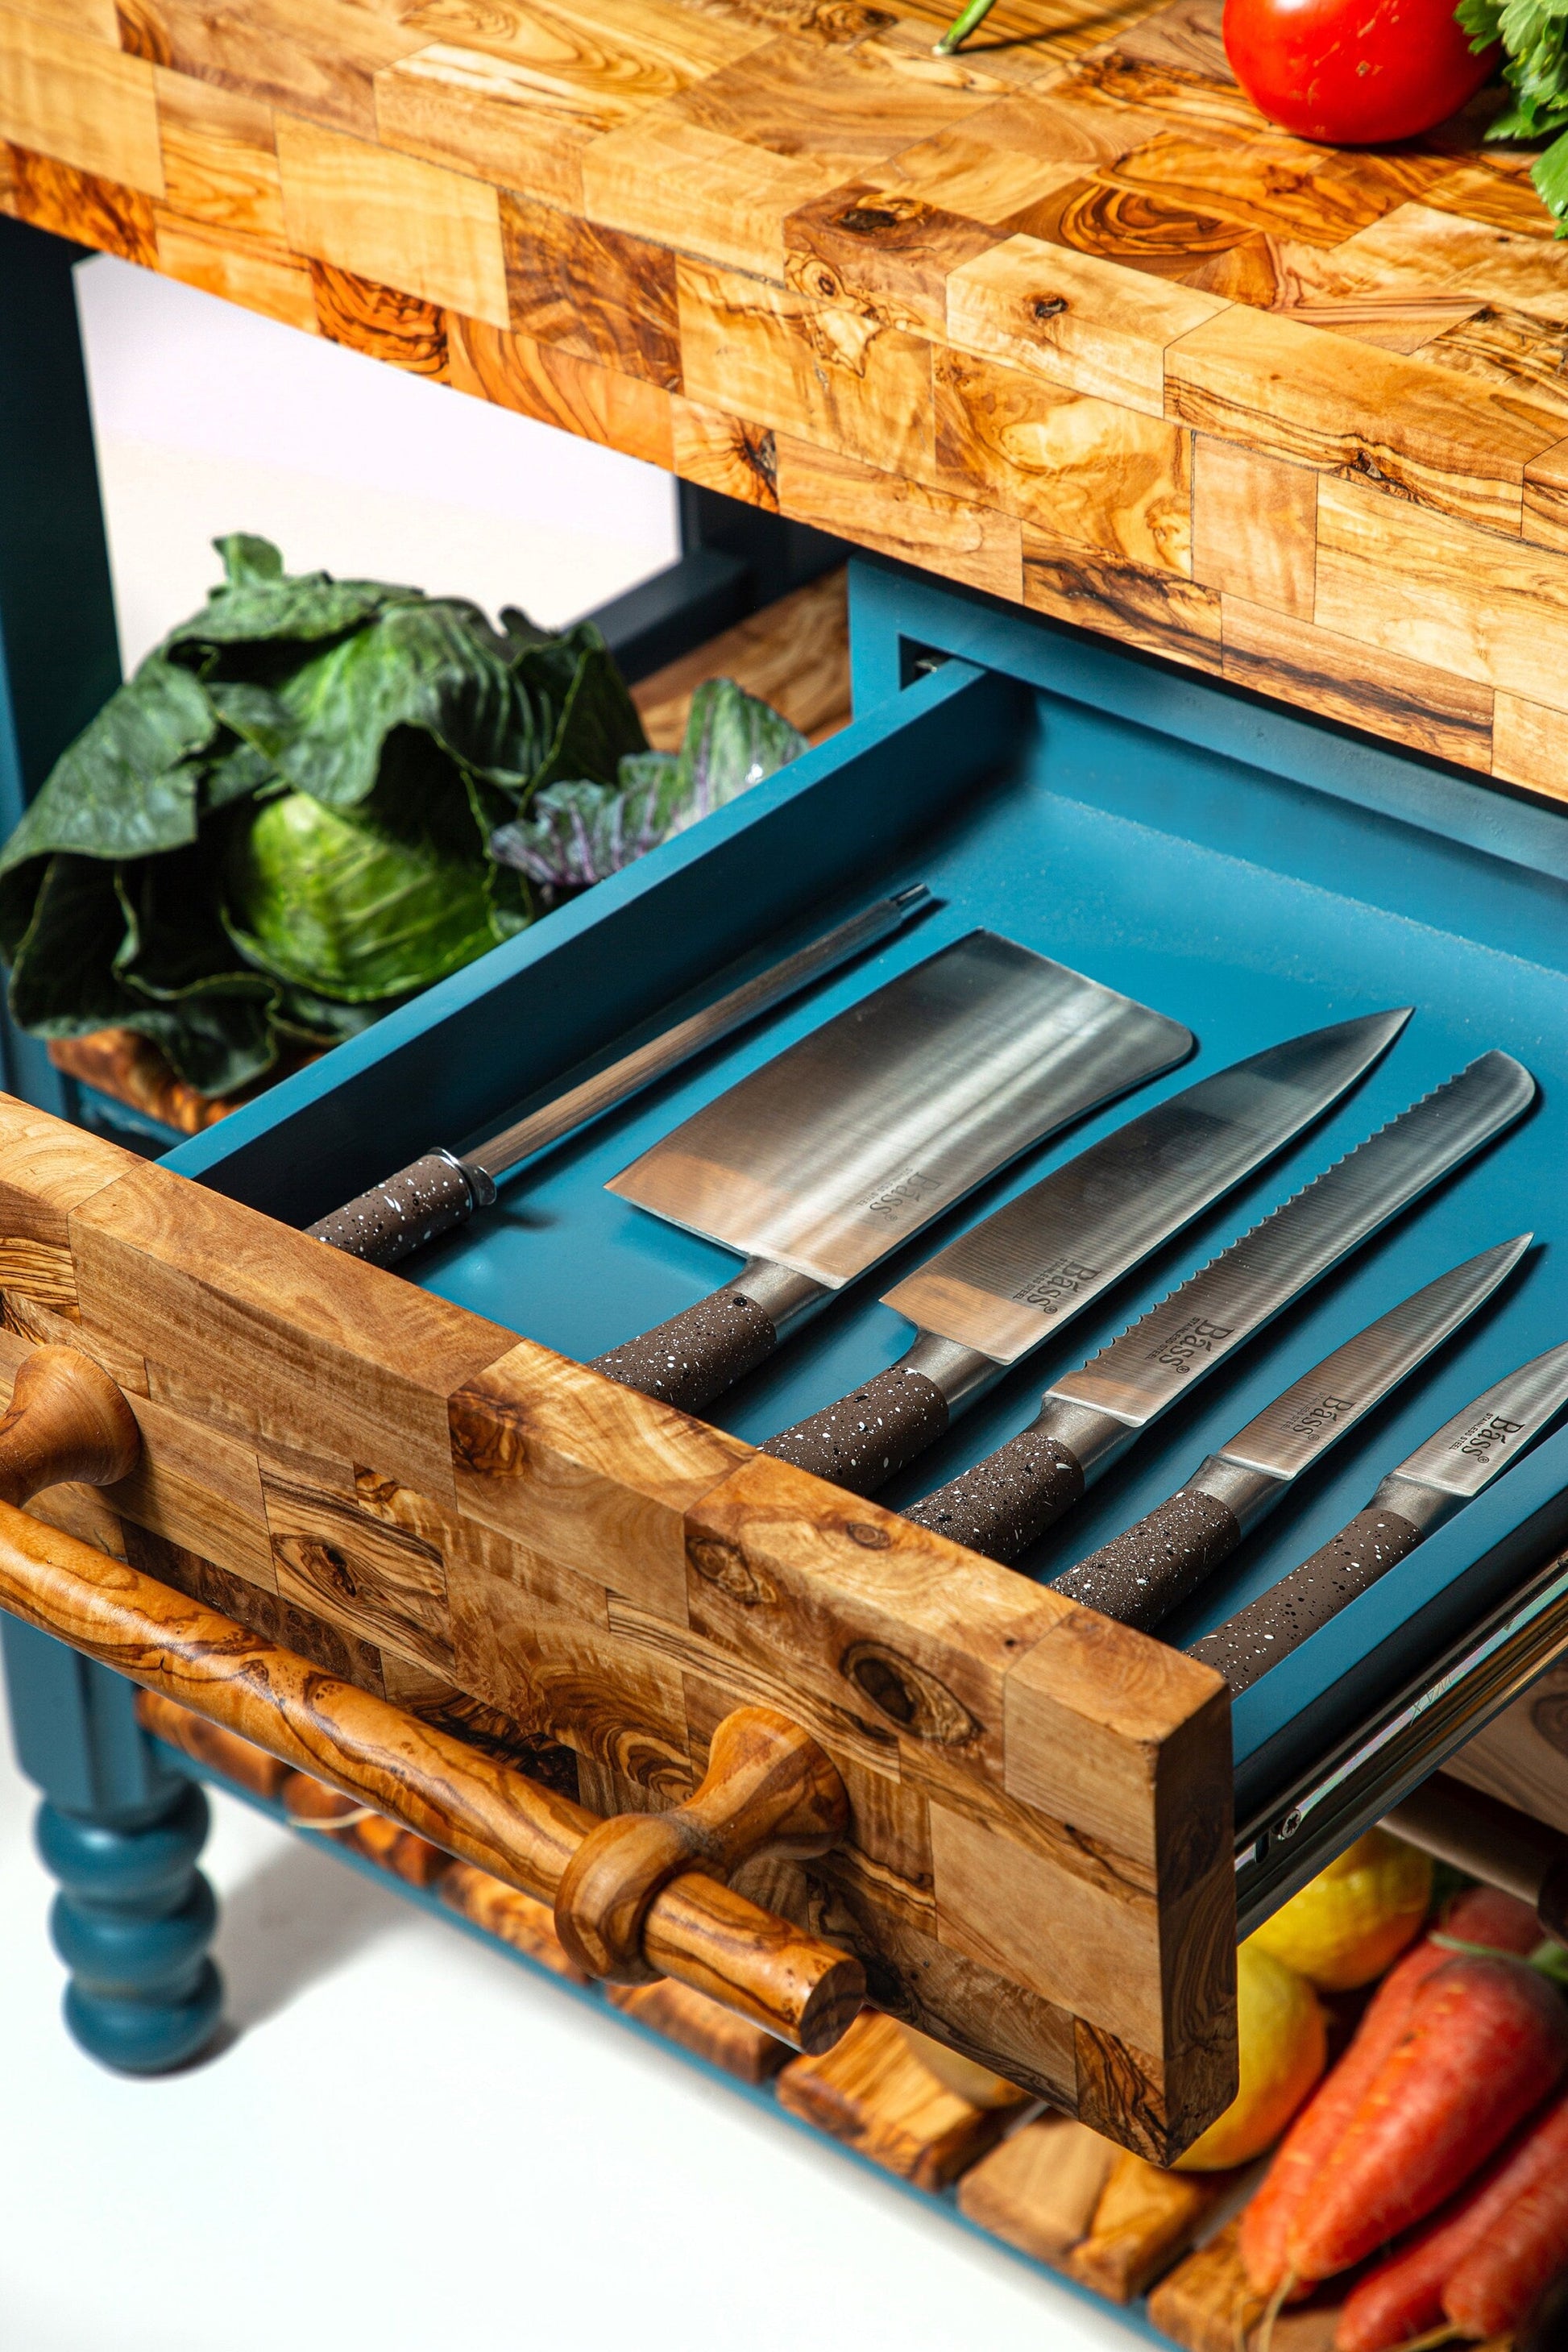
(1283, 2043)
(572, 835)
(1489, 2252)
(281, 825)
(1525, 2248)
(1486, 2041)
(1352, 1921)
(1477, 1916)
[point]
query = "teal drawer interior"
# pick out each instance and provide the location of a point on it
(1250, 873)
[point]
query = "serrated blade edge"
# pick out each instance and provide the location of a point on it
(1194, 1326)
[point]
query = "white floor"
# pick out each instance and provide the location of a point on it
(411, 2143)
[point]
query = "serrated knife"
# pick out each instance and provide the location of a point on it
(1090, 1418)
(853, 1138)
(1149, 1571)
(1438, 1480)
(999, 1290)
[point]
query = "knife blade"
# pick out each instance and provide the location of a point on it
(1428, 1488)
(1090, 1417)
(1149, 1571)
(838, 1149)
(1004, 1286)
(439, 1189)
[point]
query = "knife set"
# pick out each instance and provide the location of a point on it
(842, 1149)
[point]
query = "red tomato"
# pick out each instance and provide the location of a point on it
(1352, 72)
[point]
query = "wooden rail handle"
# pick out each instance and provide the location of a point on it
(69, 1420)
(1493, 1842)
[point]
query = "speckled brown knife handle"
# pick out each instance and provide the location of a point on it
(868, 1438)
(697, 1355)
(427, 1198)
(1006, 1502)
(1149, 1571)
(1278, 1620)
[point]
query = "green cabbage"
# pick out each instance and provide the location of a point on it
(278, 828)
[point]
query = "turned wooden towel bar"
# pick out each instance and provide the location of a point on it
(634, 1898)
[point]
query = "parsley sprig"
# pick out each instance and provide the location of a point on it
(1535, 36)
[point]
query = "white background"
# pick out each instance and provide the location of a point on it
(410, 2144)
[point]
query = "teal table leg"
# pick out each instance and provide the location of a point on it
(121, 1834)
(60, 654)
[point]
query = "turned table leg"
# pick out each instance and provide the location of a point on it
(121, 1834)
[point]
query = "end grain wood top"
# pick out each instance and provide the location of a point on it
(1061, 317)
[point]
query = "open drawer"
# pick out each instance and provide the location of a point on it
(1041, 1865)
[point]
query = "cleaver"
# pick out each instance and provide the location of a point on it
(852, 1139)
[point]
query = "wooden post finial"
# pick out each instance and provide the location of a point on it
(67, 1421)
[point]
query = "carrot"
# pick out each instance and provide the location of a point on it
(1526, 2246)
(1484, 2041)
(1404, 2296)
(1480, 1915)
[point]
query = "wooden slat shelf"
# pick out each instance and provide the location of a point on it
(1061, 318)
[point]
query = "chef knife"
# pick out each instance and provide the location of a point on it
(1438, 1479)
(440, 1190)
(999, 1290)
(1158, 1564)
(834, 1152)
(1089, 1419)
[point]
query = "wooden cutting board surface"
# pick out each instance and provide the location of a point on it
(1062, 318)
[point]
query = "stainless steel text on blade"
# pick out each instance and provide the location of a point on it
(1236, 1293)
(853, 1138)
(1002, 1287)
(1314, 1412)
(1470, 1451)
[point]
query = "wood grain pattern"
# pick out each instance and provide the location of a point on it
(759, 240)
(80, 102)
(567, 1580)
(1384, 692)
(1255, 526)
(1522, 1755)
(392, 219)
(472, 1806)
(726, 2040)
(794, 654)
(1107, 2219)
(873, 2093)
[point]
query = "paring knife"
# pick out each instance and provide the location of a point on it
(1158, 1564)
(856, 1137)
(1092, 1417)
(1439, 1478)
(440, 1190)
(1007, 1284)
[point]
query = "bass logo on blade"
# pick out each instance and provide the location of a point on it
(1052, 1289)
(1188, 1345)
(1482, 1441)
(1323, 1414)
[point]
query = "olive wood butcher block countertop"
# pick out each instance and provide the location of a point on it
(1062, 317)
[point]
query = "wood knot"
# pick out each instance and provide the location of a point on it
(872, 1539)
(869, 220)
(1048, 305)
(725, 1565)
(907, 1695)
(1549, 1720)
(487, 1439)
